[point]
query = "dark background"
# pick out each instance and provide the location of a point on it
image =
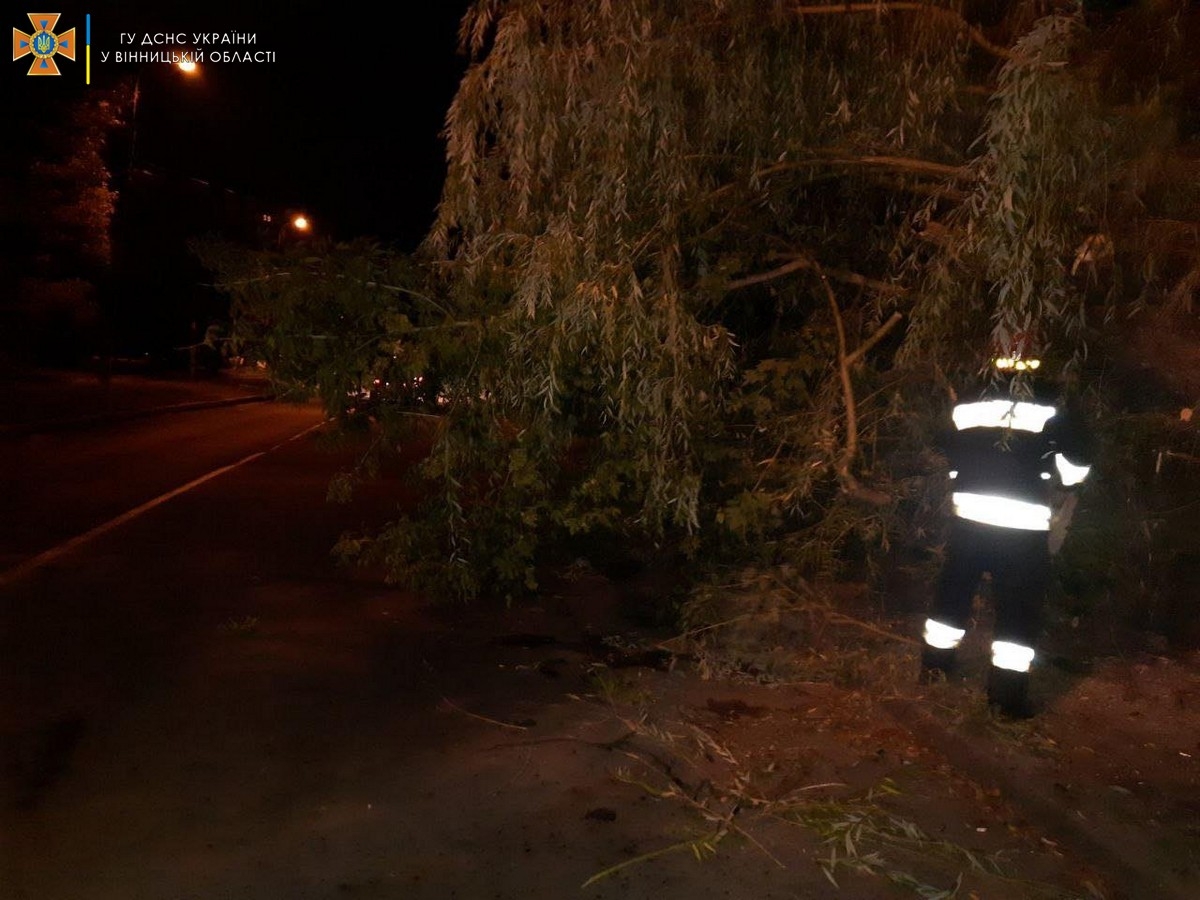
(345, 126)
(346, 122)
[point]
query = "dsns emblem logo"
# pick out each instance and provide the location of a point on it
(44, 44)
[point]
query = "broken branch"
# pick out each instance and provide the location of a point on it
(900, 163)
(874, 339)
(850, 449)
(973, 32)
(797, 262)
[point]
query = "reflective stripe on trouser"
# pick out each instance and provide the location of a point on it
(1010, 656)
(941, 636)
(1004, 512)
(1019, 563)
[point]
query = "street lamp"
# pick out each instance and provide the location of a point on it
(295, 226)
(188, 67)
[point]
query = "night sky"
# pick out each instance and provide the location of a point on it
(344, 123)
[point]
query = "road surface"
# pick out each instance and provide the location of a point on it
(198, 703)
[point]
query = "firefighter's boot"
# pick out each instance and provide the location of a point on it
(937, 665)
(1008, 693)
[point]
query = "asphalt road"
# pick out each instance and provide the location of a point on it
(199, 703)
(97, 646)
(56, 485)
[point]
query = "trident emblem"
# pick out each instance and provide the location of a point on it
(44, 44)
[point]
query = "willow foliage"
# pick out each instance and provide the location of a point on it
(674, 243)
(619, 164)
(1038, 187)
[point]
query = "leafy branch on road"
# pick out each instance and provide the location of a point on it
(688, 764)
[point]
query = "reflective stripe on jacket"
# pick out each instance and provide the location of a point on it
(1007, 456)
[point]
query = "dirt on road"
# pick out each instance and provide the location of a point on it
(861, 787)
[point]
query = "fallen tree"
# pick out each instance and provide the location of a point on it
(702, 271)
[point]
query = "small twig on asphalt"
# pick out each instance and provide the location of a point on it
(465, 712)
(706, 843)
(756, 842)
(842, 619)
(835, 617)
(662, 645)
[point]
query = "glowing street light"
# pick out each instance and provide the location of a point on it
(293, 227)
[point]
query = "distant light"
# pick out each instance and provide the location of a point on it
(187, 66)
(300, 223)
(1005, 363)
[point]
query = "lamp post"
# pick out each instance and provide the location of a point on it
(188, 67)
(133, 267)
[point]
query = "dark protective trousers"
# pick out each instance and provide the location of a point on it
(1019, 563)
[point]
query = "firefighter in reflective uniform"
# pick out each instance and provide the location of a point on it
(1011, 453)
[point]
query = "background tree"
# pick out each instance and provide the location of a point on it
(64, 202)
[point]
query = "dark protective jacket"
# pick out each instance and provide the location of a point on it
(1009, 453)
